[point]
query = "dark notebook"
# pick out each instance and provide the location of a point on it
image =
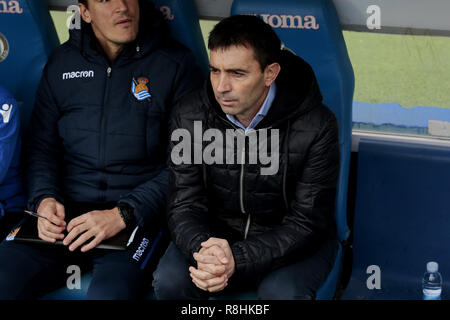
(27, 232)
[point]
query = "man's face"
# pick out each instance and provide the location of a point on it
(239, 84)
(113, 21)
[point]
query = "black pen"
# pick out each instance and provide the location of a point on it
(37, 215)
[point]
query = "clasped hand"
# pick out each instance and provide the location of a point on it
(215, 265)
(96, 225)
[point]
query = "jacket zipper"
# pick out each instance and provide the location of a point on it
(241, 182)
(247, 226)
(241, 193)
(102, 149)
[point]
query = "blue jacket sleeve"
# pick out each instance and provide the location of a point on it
(9, 134)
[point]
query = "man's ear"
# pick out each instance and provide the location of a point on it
(84, 12)
(271, 73)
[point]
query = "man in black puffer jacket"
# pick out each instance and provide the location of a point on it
(96, 159)
(262, 218)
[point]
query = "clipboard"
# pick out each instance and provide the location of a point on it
(27, 232)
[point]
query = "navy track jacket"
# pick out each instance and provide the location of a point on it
(99, 130)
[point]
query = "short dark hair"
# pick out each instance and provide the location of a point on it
(246, 30)
(83, 2)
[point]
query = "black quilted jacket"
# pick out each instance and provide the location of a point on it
(269, 220)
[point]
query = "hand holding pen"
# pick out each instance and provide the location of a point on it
(51, 223)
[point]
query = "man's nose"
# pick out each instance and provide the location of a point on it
(121, 6)
(223, 85)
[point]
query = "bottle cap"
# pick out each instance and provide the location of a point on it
(432, 266)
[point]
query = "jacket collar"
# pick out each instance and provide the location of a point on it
(297, 92)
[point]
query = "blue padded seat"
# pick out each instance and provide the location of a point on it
(311, 29)
(184, 25)
(31, 37)
(401, 218)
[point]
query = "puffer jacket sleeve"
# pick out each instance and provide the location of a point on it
(150, 198)
(310, 219)
(187, 201)
(43, 147)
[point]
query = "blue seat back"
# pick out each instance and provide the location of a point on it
(31, 36)
(312, 30)
(184, 25)
(401, 218)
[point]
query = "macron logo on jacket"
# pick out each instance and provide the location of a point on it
(78, 74)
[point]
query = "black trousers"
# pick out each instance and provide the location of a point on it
(30, 271)
(298, 281)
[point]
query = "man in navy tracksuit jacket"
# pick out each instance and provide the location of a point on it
(96, 156)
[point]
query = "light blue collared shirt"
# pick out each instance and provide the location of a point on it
(261, 113)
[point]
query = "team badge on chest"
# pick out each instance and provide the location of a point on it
(140, 89)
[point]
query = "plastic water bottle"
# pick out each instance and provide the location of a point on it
(432, 282)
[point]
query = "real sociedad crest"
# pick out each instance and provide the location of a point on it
(4, 47)
(140, 89)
